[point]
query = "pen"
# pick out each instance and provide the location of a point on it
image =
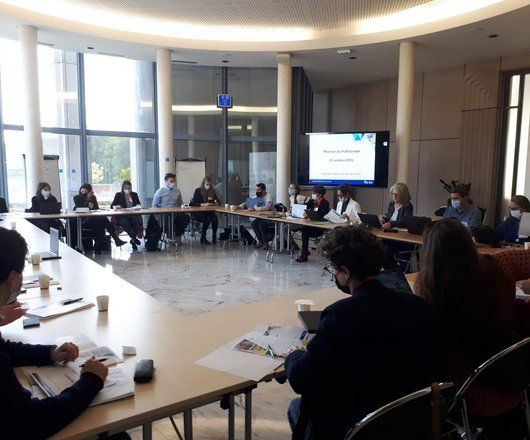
(100, 360)
(71, 301)
(271, 352)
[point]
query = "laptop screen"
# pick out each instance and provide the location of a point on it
(54, 241)
(395, 280)
(298, 210)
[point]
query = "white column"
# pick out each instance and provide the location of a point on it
(191, 131)
(30, 99)
(165, 119)
(405, 99)
(255, 132)
(283, 136)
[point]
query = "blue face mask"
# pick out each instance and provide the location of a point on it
(456, 203)
(126, 191)
(292, 191)
(14, 293)
(171, 185)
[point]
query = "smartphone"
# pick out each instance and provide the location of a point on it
(31, 322)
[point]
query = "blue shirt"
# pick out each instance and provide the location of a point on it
(469, 217)
(167, 198)
(264, 203)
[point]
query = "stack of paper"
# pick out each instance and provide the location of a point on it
(334, 217)
(59, 308)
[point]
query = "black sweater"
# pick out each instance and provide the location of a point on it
(405, 211)
(26, 418)
(119, 199)
(198, 198)
(37, 200)
(3, 206)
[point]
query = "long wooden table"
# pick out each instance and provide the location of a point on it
(172, 340)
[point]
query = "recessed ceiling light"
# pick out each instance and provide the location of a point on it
(225, 61)
(90, 47)
(343, 51)
(493, 35)
(353, 58)
(46, 44)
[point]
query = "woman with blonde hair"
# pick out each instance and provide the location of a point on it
(399, 208)
(206, 196)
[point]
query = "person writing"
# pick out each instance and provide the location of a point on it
(261, 202)
(462, 209)
(347, 207)
(371, 347)
(509, 228)
(132, 224)
(319, 205)
(169, 196)
(21, 416)
(206, 197)
(87, 199)
(399, 207)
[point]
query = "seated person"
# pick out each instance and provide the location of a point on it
(87, 199)
(462, 209)
(347, 207)
(262, 202)
(126, 198)
(206, 197)
(319, 205)
(44, 195)
(399, 208)
(509, 228)
(295, 196)
(21, 416)
(371, 347)
(474, 311)
(169, 196)
(3, 206)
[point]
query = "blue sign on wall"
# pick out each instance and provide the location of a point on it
(224, 101)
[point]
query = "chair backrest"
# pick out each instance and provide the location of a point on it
(440, 211)
(508, 372)
(411, 415)
(483, 211)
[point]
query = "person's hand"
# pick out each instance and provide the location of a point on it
(11, 312)
(523, 285)
(90, 205)
(387, 225)
(117, 206)
(251, 209)
(95, 367)
(237, 207)
(345, 216)
(67, 352)
(305, 214)
(90, 194)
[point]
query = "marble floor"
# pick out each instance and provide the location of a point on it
(197, 279)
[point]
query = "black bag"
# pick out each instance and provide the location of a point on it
(153, 233)
(245, 235)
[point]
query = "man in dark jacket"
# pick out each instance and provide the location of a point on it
(370, 348)
(21, 416)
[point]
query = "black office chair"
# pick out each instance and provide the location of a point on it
(440, 211)
(417, 416)
(505, 374)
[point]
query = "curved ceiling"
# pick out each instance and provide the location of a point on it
(254, 25)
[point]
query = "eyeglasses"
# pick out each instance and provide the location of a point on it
(330, 269)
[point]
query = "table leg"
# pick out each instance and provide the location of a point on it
(188, 425)
(248, 415)
(147, 431)
(68, 233)
(231, 418)
(80, 236)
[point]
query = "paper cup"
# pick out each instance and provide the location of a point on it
(13, 225)
(36, 259)
(227, 205)
(304, 305)
(526, 245)
(44, 282)
(103, 302)
(232, 207)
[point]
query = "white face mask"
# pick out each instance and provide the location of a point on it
(314, 196)
(126, 191)
(516, 213)
(206, 186)
(14, 293)
(343, 199)
(171, 185)
(45, 193)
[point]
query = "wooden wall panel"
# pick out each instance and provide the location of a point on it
(343, 109)
(372, 106)
(481, 82)
(321, 111)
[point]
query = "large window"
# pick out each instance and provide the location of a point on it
(11, 89)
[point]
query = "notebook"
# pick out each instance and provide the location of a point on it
(59, 308)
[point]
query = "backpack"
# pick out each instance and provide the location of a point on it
(153, 234)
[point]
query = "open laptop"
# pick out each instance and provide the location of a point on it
(50, 208)
(416, 225)
(487, 236)
(313, 215)
(53, 253)
(310, 320)
(370, 220)
(297, 210)
(394, 279)
(524, 226)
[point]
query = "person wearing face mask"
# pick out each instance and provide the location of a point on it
(319, 205)
(132, 224)
(87, 199)
(399, 208)
(206, 197)
(372, 333)
(462, 209)
(169, 196)
(21, 416)
(509, 228)
(294, 195)
(44, 195)
(347, 207)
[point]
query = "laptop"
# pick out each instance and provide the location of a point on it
(487, 236)
(313, 215)
(524, 226)
(297, 210)
(50, 208)
(394, 279)
(370, 220)
(416, 225)
(310, 320)
(252, 202)
(53, 253)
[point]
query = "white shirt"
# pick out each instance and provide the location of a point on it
(395, 214)
(352, 210)
(300, 200)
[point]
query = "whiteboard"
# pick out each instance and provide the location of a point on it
(50, 174)
(189, 176)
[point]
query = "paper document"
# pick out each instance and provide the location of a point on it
(334, 217)
(87, 349)
(59, 308)
(134, 208)
(32, 281)
(520, 295)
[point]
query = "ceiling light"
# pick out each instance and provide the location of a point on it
(212, 109)
(353, 58)
(493, 35)
(343, 51)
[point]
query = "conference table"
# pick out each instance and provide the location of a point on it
(172, 340)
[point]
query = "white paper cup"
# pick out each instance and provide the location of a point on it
(44, 282)
(36, 259)
(526, 245)
(304, 305)
(103, 302)
(232, 207)
(227, 205)
(13, 225)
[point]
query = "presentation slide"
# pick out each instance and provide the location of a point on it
(342, 158)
